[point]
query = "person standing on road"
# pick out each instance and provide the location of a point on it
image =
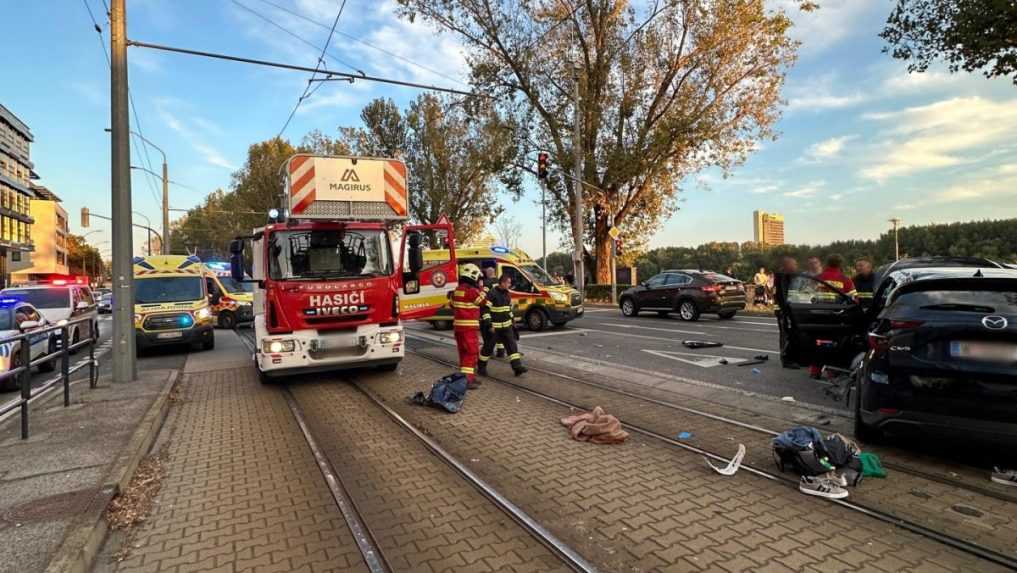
(787, 281)
(467, 300)
(814, 266)
(486, 331)
(502, 319)
(760, 280)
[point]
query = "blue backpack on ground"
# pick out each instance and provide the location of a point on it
(801, 449)
(447, 393)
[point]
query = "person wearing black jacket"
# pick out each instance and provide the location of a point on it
(499, 302)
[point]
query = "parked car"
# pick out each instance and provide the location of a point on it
(18, 317)
(935, 262)
(936, 353)
(105, 305)
(689, 293)
(60, 304)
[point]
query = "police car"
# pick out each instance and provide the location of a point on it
(18, 317)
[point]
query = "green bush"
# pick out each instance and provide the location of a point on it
(602, 293)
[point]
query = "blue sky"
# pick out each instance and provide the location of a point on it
(860, 140)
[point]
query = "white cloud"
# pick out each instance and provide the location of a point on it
(810, 189)
(195, 131)
(900, 82)
(942, 134)
(818, 93)
(827, 149)
(833, 22)
(978, 189)
(767, 188)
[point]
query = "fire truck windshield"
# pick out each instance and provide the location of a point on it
(328, 254)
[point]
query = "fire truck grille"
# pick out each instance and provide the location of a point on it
(168, 321)
(347, 209)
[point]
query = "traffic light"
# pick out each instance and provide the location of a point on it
(542, 158)
(84, 217)
(618, 247)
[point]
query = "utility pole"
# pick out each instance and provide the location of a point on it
(578, 183)
(896, 237)
(543, 222)
(124, 363)
(165, 207)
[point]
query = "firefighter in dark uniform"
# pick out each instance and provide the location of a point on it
(499, 301)
(485, 317)
(467, 301)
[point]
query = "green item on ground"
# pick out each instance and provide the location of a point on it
(871, 466)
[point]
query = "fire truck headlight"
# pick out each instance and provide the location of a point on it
(202, 313)
(277, 346)
(390, 337)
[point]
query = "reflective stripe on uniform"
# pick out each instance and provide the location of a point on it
(480, 299)
(506, 324)
(466, 370)
(469, 305)
(484, 358)
(459, 293)
(501, 309)
(515, 356)
(465, 323)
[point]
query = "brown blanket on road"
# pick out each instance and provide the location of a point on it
(596, 427)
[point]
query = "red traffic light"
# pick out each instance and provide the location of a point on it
(542, 159)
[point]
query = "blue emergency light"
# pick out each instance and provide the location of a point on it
(186, 320)
(500, 250)
(8, 300)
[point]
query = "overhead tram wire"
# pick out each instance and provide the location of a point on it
(328, 73)
(137, 123)
(364, 42)
(319, 64)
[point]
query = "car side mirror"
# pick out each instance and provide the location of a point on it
(644, 284)
(82, 305)
(29, 324)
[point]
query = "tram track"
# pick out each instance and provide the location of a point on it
(345, 493)
(953, 541)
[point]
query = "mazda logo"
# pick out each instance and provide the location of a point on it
(994, 322)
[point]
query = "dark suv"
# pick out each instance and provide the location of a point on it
(686, 292)
(936, 353)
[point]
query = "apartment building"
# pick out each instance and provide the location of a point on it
(16, 174)
(49, 236)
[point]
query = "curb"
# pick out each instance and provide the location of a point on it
(85, 537)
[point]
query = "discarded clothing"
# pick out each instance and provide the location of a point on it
(596, 427)
(801, 449)
(871, 467)
(447, 393)
(701, 344)
(732, 467)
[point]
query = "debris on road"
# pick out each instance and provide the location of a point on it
(871, 466)
(596, 427)
(787, 399)
(447, 394)
(133, 505)
(732, 466)
(751, 362)
(684, 435)
(701, 344)
(763, 357)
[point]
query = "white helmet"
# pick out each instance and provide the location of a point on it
(470, 271)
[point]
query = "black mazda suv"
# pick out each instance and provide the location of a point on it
(937, 350)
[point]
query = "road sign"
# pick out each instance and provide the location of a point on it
(442, 220)
(614, 232)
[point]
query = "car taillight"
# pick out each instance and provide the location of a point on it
(711, 288)
(905, 324)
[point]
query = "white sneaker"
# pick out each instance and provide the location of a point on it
(821, 487)
(837, 479)
(1005, 477)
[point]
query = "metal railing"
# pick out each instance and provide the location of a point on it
(24, 370)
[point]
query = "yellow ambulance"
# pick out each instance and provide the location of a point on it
(540, 301)
(231, 300)
(171, 303)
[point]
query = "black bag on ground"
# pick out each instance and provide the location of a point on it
(447, 393)
(801, 450)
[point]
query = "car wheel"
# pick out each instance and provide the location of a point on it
(727, 315)
(264, 378)
(227, 320)
(628, 307)
(536, 320)
(49, 365)
(863, 432)
(688, 310)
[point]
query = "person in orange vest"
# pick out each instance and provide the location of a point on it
(467, 300)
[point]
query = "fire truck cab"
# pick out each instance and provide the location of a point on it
(331, 291)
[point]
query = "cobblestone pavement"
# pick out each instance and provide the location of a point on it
(242, 491)
(953, 510)
(645, 506)
(424, 516)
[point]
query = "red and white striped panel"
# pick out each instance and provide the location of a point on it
(395, 187)
(302, 191)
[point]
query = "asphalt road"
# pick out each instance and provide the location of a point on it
(653, 343)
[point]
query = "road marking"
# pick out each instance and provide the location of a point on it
(702, 360)
(759, 330)
(589, 310)
(556, 333)
(745, 348)
(652, 328)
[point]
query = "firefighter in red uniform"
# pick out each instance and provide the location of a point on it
(467, 300)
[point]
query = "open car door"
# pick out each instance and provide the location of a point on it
(427, 280)
(819, 324)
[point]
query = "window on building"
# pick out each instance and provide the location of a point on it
(61, 258)
(5, 232)
(16, 256)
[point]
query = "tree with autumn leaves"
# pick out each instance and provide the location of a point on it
(666, 89)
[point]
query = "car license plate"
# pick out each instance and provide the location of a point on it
(165, 335)
(731, 289)
(988, 351)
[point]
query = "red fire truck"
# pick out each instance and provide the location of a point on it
(331, 293)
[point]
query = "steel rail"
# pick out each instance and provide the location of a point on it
(916, 528)
(569, 556)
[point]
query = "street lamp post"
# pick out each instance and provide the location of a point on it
(896, 237)
(165, 192)
(148, 228)
(84, 261)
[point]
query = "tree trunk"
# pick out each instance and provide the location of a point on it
(602, 250)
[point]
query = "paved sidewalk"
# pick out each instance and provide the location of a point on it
(53, 482)
(241, 491)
